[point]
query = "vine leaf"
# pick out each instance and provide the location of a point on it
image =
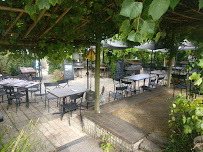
(173, 3)
(110, 11)
(187, 129)
(201, 63)
(135, 37)
(43, 4)
(198, 82)
(200, 4)
(195, 76)
(30, 9)
(157, 8)
(148, 27)
(53, 2)
(158, 35)
(125, 28)
(131, 9)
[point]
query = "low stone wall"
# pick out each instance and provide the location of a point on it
(95, 131)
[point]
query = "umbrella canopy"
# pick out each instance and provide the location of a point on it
(114, 44)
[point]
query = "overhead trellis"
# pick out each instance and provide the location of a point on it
(54, 26)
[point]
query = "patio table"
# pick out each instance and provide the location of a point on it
(10, 82)
(158, 72)
(65, 92)
(139, 77)
(179, 69)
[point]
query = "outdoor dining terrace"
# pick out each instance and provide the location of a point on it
(55, 131)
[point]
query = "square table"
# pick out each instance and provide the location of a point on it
(10, 82)
(179, 69)
(65, 92)
(139, 77)
(158, 73)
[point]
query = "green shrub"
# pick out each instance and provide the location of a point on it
(53, 67)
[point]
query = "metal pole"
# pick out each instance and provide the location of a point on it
(151, 62)
(87, 76)
(39, 68)
(97, 79)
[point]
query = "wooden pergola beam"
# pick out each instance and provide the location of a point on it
(191, 9)
(34, 23)
(83, 24)
(19, 43)
(185, 16)
(23, 11)
(58, 19)
(19, 10)
(13, 23)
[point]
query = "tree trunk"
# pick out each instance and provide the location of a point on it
(97, 79)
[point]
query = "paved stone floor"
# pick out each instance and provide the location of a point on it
(53, 132)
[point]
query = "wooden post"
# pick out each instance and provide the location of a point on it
(169, 70)
(97, 79)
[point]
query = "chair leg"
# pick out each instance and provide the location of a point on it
(48, 106)
(173, 92)
(57, 102)
(16, 105)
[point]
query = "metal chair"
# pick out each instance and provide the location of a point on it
(152, 83)
(63, 83)
(129, 86)
(2, 93)
(179, 81)
(36, 87)
(117, 83)
(119, 94)
(160, 81)
(73, 105)
(50, 86)
(11, 95)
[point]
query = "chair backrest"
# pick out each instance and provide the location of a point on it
(63, 81)
(121, 88)
(37, 79)
(49, 85)
(152, 80)
(76, 96)
(102, 92)
(23, 77)
(178, 76)
(4, 76)
(126, 82)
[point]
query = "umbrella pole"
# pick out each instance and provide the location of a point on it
(151, 62)
(87, 76)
